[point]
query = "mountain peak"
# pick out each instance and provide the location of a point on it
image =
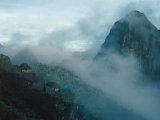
(136, 17)
(135, 34)
(136, 13)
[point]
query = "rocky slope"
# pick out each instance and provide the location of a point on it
(135, 34)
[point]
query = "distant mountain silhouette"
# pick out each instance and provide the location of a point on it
(134, 33)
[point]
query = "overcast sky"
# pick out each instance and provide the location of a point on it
(67, 24)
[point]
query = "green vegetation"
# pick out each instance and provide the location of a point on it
(20, 100)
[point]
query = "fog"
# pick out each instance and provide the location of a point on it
(118, 77)
(75, 42)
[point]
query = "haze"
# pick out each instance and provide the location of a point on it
(82, 24)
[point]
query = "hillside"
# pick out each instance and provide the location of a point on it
(21, 100)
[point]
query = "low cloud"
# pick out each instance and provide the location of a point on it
(90, 27)
(85, 34)
(118, 77)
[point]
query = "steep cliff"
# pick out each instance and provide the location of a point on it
(135, 34)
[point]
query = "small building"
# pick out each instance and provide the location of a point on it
(25, 68)
(27, 73)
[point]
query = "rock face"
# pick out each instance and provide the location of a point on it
(5, 62)
(135, 34)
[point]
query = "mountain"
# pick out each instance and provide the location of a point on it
(20, 100)
(135, 34)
